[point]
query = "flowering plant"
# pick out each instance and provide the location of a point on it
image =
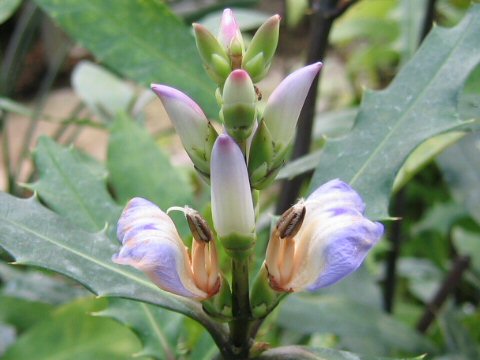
(315, 243)
(152, 251)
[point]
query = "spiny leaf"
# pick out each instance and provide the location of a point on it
(421, 102)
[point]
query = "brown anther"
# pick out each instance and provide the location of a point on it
(198, 226)
(259, 94)
(291, 221)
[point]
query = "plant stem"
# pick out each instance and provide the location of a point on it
(449, 284)
(239, 327)
(325, 13)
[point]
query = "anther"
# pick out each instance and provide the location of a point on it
(198, 226)
(291, 221)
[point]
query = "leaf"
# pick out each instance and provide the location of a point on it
(142, 40)
(421, 102)
(468, 243)
(348, 320)
(22, 314)
(73, 334)
(104, 93)
(36, 236)
(7, 8)
(70, 188)
(309, 353)
(460, 165)
(158, 329)
(138, 167)
(7, 337)
(423, 277)
(33, 285)
(423, 154)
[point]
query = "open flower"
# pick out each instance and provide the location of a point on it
(150, 243)
(320, 240)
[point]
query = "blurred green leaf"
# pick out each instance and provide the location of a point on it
(309, 353)
(468, 243)
(469, 99)
(105, 94)
(73, 334)
(423, 154)
(70, 188)
(142, 40)
(7, 8)
(7, 337)
(440, 218)
(421, 102)
(138, 167)
(460, 165)
(158, 329)
(423, 277)
(22, 314)
(360, 328)
(33, 285)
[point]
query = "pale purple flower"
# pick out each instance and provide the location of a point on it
(285, 103)
(321, 240)
(191, 124)
(232, 205)
(150, 243)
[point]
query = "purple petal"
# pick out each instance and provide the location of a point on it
(229, 28)
(337, 194)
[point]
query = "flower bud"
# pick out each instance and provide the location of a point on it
(191, 124)
(259, 54)
(213, 54)
(150, 243)
(232, 204)
(321, 240)
(285, 103)
(230, 37)
(239, 105)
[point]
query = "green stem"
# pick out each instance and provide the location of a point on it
(239, 327)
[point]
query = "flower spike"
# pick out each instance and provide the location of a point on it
(321, 240)
(150, 243)
(191, 124)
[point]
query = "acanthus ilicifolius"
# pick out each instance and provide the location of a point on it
(317, 242)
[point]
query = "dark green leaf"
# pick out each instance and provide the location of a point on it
(142, 40)
(360, 327)
(73, 334)
(421, 102)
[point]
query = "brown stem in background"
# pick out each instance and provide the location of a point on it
(428, 19)
(324, 14)
(452, 280)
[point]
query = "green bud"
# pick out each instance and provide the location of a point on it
(213, 54)
(264, 42)
(239, 105)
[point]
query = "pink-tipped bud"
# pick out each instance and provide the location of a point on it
(239, 104)
(230, 37)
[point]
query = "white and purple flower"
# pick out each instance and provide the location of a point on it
(151, 243)
(320, 240)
